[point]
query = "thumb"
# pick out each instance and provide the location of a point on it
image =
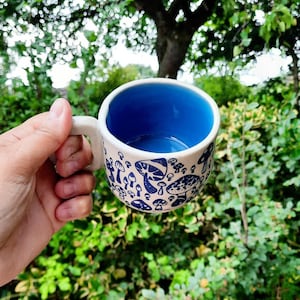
(45, 134)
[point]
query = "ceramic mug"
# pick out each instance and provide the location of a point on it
(155, 137)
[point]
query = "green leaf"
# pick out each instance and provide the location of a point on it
(154, 270)
(180, 277)
(295, 181)
(251, 106)
(73, 64)
(64, 284)
(109, 207)
(90, 35)
(156, 228)
(119, 273)
(47, 288)
(252, 211)
(237, 51)
(131, 232)
(163, 260)
(149, 294)
(248, 125)
(282, 26)
(250, 190)
(76, 271)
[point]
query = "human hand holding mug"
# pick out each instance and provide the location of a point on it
(155, 138)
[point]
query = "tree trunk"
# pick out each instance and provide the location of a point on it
(173, 36)
(295, 74)
(295, 70)
(171, 49)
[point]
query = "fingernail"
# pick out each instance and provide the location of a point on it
(65, 213)
(68, 151)
(69, 188)
(71, 166)
(57, 108)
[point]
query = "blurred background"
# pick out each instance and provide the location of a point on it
(239, 238)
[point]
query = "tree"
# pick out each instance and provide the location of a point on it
(175, 24)
(201, 31)
(281, 27)
(175, 28)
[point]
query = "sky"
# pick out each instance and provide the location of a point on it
(267, 66)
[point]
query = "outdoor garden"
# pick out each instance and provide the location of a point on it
(239, 238)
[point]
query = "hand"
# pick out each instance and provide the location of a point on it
(36, 197)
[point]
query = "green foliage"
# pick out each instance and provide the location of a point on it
(222, 89)
(208, 32)
(87, 95)
(237, 240)
(19, 102)
(278, 20)
(239, 31)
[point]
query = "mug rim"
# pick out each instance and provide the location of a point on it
(106, 134)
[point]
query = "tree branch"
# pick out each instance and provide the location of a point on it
(176, 6)
(154, 9)
(241, 187)
(201, 14)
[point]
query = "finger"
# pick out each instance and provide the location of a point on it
(73, 144)
(77, 161)
(44, 135)
(76, 185)
(75, 208)
(46, 180)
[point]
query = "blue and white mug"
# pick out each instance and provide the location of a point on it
(155, 137)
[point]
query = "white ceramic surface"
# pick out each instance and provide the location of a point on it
(146, 180)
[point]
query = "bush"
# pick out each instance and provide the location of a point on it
(86, 96)
(223, 89)
(237, 240)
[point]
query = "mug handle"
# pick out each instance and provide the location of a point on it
(85, 125)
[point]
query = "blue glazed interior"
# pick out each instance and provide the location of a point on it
(159, 117)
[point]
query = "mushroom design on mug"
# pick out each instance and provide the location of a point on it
(152, 170)
(205, 157)
(182, 186)
(110, 167)
(120, 169)
(131, 179)
(159, 203)
(140, 204)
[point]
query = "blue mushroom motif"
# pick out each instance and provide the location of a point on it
(159, 203)
(152, 170)
(120, 168)
(182, 186)
(140, 204)
(131, 179)
(205, 157)
(110, 168)
(178, 167)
